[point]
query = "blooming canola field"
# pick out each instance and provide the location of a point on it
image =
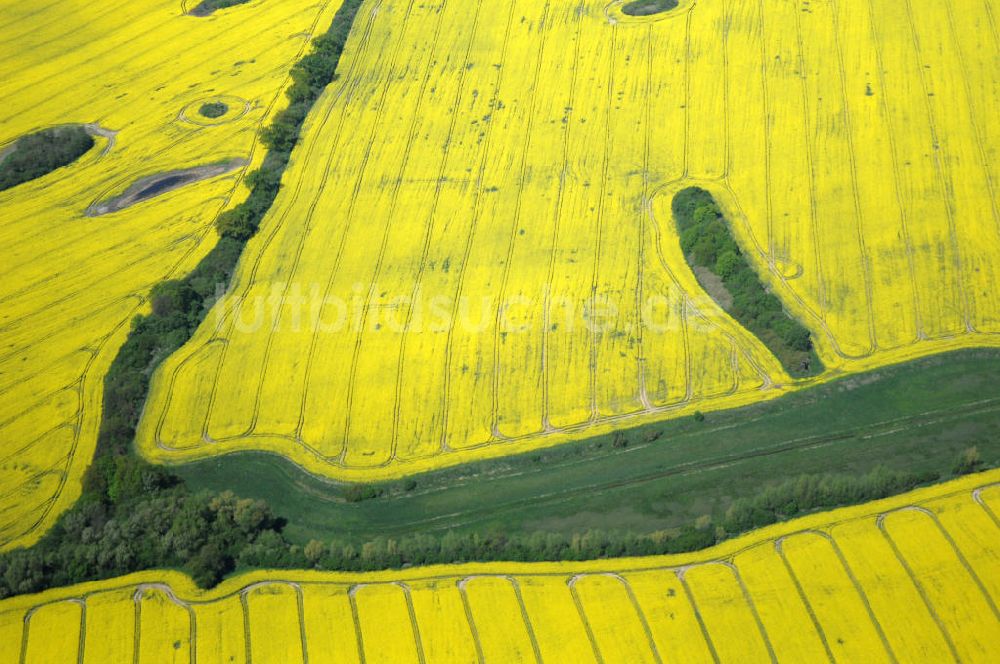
(915, 578)
(473, 253)
(72, 282)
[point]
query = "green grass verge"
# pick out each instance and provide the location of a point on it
(916, 417)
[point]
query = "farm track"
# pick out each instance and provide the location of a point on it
(619, 607)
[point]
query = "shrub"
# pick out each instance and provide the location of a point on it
(38, 154)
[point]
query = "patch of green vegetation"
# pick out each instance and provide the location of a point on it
(648, 7)
(661, 488)
(915, 418)
(707, 242)
(213, 109)
(39, 154)
(134, 516)
(206, 7)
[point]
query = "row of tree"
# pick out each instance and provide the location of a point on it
(134, 516)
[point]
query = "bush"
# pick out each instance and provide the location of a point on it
(808, 492)
(707, 242)
(38, 154)
(967, 462)
(214, 109)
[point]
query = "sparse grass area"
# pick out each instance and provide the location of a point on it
(39, 154)
(648, 7)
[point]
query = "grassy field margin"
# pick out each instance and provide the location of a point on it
(916, 417)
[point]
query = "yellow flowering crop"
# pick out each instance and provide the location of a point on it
(166, 626)
(327, 618)
(440, 603)
(619, 629)
(54, 633)
(474, 252)
(71, 282)
(838, 607)
(384, 608)
(782, 610)
(893, 580)
(726, 610)
(909, 627)
(273, 609)
(110, 626)
(220, 635)
(499, 620)
(555, 620)
(672, 619)
(955, 590)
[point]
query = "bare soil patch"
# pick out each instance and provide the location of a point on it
(154, 185)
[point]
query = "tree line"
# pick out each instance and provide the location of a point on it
(134, 516)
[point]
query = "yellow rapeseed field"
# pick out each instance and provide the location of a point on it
(892, 580)
(474, 253)
(138, 72)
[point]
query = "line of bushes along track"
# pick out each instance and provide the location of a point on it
(707, 242)
(39, 154)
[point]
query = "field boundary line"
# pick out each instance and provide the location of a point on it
(546, 306)
(778, 548)
(639, 614)
(524, 616)
(460, 584)
(414, 626)
(356, 616)
(879, 523)
(425, 247)
(578, 603)
(445, 401)
(389, 217)
(979, 499)
(511, 240)
(680, 573)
